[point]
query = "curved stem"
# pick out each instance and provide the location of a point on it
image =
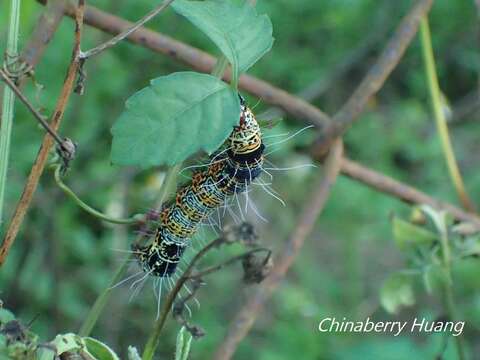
(87, 208)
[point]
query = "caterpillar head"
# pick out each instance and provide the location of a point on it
(245, 138)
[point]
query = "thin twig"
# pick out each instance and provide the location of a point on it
(113, 41)
(232, 260)
(40, 118)
(47, 143)
(246, 316)
(127, 221)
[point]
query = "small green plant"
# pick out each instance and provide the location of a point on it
(432, 245)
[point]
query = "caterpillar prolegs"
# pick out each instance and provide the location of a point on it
(230, 171)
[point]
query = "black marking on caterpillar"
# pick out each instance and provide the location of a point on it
(230, 172)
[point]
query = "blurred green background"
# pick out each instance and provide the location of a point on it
(63, 258)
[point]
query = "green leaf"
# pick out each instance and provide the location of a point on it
(396, 291)
(184, 341)
(99, 350)
(240, 33)
(173, 118)
(408, 235)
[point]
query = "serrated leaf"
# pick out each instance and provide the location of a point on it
(173, 118)
(396, 291)
(99, 350)
(407, 235)
(184, 341)
(240, 33)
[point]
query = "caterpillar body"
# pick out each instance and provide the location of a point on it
(230, 172)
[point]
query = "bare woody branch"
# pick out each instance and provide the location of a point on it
(245, 318)
(47, 143)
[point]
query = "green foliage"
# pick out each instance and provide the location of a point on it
(240, 34)
(176, 116)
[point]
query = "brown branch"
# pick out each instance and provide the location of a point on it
(245, 318)
(375, 78)
(47, 143)
(389, 186)
(203, 62)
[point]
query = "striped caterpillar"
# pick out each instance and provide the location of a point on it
(230, 171)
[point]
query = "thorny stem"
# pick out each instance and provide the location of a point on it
(36, 114)
(133, 220)
(8, 103)
(116, 39)
(441, 122)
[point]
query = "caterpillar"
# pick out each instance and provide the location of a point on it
(231, 170)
